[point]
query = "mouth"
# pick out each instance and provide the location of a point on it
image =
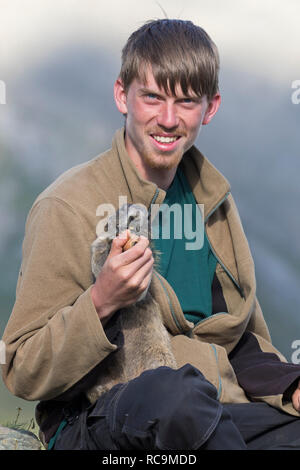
(165, 142)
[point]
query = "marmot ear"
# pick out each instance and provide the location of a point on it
(120, 96)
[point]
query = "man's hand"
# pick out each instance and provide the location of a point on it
(124, 276)
(296, 398)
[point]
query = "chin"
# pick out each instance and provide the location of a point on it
(163, 162)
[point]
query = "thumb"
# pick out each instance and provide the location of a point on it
(296, 398)
(118, 243)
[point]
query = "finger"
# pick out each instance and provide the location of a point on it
(143, 275)
(139, 266)
(137, 284)
(135, 252)
(118, 243)
(296, 399)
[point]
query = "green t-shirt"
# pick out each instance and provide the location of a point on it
(185, 257)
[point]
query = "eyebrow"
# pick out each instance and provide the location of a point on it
(146, 91)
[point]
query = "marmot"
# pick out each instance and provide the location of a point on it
(146, 340)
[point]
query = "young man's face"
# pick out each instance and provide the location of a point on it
(159, 127)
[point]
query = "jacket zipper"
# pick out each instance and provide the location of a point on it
(218, 259)
(212, 249)
(219, 375)
(225, 269)
(154, 197)
(170, 304)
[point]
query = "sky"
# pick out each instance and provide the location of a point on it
(254, 34)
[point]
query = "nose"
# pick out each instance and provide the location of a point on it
(167, 117)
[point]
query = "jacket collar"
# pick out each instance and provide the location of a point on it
(209, 186)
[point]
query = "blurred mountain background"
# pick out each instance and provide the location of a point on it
(60, 112)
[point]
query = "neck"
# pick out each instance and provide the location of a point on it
(160, 176)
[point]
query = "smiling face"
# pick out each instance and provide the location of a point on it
(160, 127)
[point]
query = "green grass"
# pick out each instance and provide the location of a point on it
(17, 424)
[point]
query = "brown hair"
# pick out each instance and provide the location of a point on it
(178, 52)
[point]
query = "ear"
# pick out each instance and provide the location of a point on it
(212, 108)
(120, 96)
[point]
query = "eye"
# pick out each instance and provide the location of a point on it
(151, 96)
(188, 101)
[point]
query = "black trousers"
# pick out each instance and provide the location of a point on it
(166, 409)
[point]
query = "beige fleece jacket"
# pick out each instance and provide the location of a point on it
(54, 336)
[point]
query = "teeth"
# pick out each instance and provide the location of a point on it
(164, 140)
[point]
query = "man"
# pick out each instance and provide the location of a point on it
(232, 389)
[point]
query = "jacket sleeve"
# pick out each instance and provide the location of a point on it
(261, 370)
(54, 336)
